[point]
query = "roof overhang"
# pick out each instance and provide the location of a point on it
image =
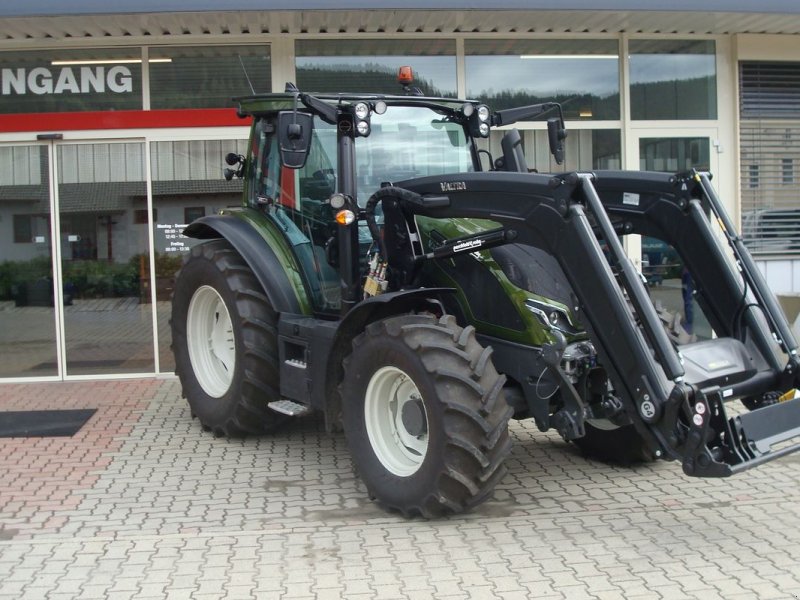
(243, 25)
(85, 7)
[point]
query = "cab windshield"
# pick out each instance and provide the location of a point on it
(407, 142)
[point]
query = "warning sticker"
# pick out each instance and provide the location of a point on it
(630, 198)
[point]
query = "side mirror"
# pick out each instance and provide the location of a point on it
(236, 160)
(294, 138)
(556, 134)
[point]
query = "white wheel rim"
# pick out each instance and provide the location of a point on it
(400, 452)
(209, 336)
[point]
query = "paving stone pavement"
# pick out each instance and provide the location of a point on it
(143, 504)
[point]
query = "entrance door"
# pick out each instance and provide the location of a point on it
(103, 223)
(29, 332)
(74, 260)
(671, 285)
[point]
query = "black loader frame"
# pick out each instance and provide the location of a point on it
(680, 414)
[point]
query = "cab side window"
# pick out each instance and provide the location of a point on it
(265, 164)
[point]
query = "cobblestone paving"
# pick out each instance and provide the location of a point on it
(152, 507)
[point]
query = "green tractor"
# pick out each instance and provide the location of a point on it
(382, 273)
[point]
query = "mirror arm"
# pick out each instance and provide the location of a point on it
(325, 111)
(524, 113)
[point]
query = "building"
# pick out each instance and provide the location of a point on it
(114, 123)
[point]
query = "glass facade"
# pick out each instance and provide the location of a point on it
(673, 79)
(671, 284)
(107, 324)
(372, 65)
(85, 290)
(27, 297)
(672, 155)
(769, 139)
(582, 75)
(71, 80)
(187, 182)
(584, 149)
(207, 76)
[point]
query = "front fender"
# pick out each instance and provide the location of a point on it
(372, 309)
(254, 238)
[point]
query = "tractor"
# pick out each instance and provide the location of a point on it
(386, 271)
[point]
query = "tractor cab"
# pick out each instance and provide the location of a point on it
(314, 156)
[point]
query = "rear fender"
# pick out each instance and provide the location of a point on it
(253, 237)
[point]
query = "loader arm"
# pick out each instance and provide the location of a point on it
(680, 413)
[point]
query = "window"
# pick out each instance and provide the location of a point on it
(71, 80)
(207, 77)
(753, 174)
(409, 142)
(372, 65)
(787, 171)
(671, 155)
(673, 79)
(769, 139)
(674, 293)
(190, 213)
(581, 75)
(23, 229)
(769, 90)
(187, 183)
(140, 216)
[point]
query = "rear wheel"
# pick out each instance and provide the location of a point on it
(224, 341)
(424, 415)
(614, 444)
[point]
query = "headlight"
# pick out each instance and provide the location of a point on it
(362, 110)
(483, 128)
(550, 316)
(467, 109)
(483, 113)
(338, 201)
(363, 128)
(380, 107)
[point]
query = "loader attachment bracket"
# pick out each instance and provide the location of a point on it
(740, 442)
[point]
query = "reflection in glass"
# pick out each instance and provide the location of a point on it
(671, 155)
(71, 80)
(584, 149)
(583, 75)
(672, 290)
(671, 284)
(409, 142)
(207, 77)
(371, 65)
(187, 184)
(673, 79)
(27, 314)
(104, 251)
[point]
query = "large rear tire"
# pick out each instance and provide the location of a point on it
(424, 415)
(224, 337)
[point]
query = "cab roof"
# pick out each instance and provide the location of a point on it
(270, 103)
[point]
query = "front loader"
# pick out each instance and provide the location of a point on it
(378, 274)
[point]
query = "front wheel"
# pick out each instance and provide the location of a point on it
(424, 415)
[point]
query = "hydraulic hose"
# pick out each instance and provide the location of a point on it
(400, 194)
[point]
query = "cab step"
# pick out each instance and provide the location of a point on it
(289, 407)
